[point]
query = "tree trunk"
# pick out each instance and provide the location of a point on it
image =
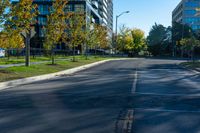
(52, 57)
(17, 53)
(28, 38)
(86, 52)
(193, 59)
(74, 53)
(95, 50)
(181, 52)
(8, 54)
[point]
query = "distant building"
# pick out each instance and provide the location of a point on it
(97, 11)
(106, 12)
(186, 13)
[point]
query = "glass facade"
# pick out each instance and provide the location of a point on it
(43, 9)
(95, 10)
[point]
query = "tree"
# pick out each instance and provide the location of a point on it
(159, 39)
(90, 37)
(138, 40)
(180, 31)
(188, 45)
(102, 36)
(14, 40)
(96, 36)
(21, 20)
(56, 26)
(75, 33)
(124, 37)
(131, 41)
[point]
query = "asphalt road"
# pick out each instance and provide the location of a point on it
(167, 99)
(163, 97)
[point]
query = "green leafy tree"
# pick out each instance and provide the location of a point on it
(75, 33)
(90, 38)
(56, 26)
(138, 40)
(102, 36)
(123, 37)
(131, 41)
(180, 31)
(159, 40)
(96, 36)
(188, 45)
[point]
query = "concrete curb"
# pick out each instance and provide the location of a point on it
(189, 69)
(14, 83)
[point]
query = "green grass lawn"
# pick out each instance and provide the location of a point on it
(19, 72)
(15, 60)
(191, 64)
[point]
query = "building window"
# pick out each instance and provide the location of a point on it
(43, 9)
(79, 8)
(42, 20)
(69, 8)
(190, 12)
(191, 4)
(42, 32)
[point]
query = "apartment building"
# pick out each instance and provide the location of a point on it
(97, 11)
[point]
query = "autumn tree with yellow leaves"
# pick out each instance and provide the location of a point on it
(21, 21)
(56, 26)
(97, 37)
(8, 41)
(75, 33)
(131, 41)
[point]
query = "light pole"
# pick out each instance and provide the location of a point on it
(117, 27)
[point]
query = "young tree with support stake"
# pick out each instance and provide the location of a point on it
(56, 26)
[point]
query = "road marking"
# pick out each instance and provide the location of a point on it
(134, 86)
(124, 122)
(127, 127)
(124, 125)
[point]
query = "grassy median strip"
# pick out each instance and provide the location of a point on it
(19, 72)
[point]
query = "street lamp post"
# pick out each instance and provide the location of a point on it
(117, 27)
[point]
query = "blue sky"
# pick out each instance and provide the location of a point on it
(144, 13)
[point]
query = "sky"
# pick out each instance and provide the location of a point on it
(144, 13)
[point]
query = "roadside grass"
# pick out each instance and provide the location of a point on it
(19, 72)
(195, 64)
(21, 59)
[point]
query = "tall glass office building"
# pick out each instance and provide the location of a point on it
(97, 11)
(186, 13)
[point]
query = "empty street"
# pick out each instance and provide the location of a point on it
(134, 95)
